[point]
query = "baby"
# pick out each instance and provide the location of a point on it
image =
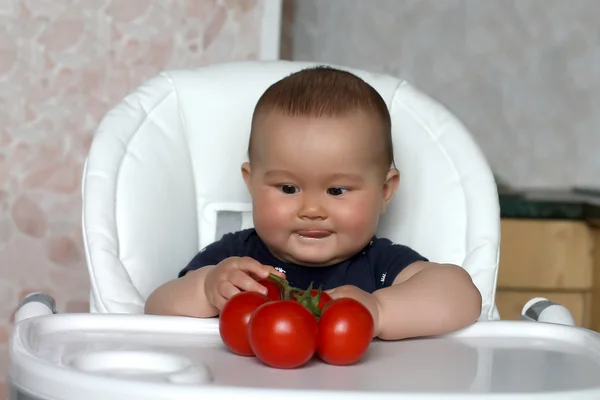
(320, 173)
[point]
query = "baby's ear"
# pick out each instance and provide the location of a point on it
(246, 174)
(392, 181)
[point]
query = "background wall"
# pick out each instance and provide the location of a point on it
(521, 74)
(63, 64)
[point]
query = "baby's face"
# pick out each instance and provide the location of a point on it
(318, 185)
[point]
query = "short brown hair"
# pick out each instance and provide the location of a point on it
(325, 91)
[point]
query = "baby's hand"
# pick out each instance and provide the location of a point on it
(233, 275)
(366, 299)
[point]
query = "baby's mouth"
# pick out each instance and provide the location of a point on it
(314, 233)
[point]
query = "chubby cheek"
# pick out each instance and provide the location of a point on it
(358, 217)
(272, 211)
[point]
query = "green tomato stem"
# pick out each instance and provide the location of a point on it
(284, 287)
(306, 299)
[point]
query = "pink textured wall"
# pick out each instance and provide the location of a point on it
(63, 64)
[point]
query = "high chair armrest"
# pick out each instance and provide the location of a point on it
(540, 309)
(35, 305)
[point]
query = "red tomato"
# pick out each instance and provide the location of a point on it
(283, 334)
(273, 288)
(346, 329)
(234, 318)
(325, 298)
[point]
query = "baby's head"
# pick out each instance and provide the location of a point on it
(320, 168)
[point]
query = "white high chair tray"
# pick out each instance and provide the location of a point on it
(102, 356)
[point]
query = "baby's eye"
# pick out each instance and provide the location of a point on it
(336, 191)
(289, 189)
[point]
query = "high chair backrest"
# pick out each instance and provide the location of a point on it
(162, 180)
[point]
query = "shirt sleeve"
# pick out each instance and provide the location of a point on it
(212, 254)
(390, 259)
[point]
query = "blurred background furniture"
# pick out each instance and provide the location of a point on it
(550, 247)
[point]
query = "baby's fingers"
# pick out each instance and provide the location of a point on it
(246, 283)
(257, 269)
(225, 291)
(275, 271)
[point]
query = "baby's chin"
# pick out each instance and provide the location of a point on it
(313, 262)
(305, 259)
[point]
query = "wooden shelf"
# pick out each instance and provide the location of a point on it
(555, 259)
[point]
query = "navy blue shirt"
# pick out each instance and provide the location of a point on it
(375, 267)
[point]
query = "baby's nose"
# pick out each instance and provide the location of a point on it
(312, 208)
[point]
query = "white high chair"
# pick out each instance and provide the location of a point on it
(166, 162)
(163, 180)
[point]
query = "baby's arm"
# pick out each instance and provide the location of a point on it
(183, 296)
(427, 299)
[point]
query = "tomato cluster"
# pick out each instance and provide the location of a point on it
(288, 326)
